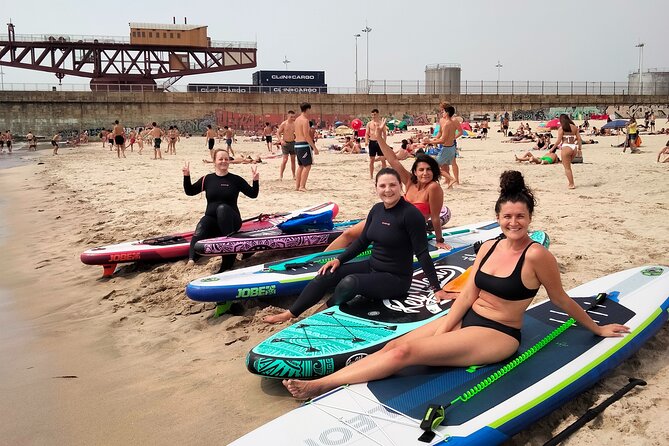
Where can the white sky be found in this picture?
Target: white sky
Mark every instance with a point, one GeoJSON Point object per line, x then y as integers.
{"type": "Point", "coordinates": [591, 40]}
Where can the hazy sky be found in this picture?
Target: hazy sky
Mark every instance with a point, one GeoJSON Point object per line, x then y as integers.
{"type": "Point", "coordinates": [591, 40]}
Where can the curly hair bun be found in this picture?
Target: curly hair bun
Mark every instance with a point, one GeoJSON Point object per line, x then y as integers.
{"type": "Point", "coordinates": [512, 188]}
{"type": "Point", "coordinates": [511, 182]}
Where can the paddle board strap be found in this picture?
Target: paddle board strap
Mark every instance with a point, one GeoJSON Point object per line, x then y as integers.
{"type": "Point", "coordinates": [592, 413]}
{"type": "Point", "coordinates": [428, 434]}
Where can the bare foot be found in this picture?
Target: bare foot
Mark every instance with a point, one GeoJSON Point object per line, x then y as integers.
{"type": "Point", "coordinates": [190, 264]}
{"type": "Point", "coordinates": [278, 318]}
{"type": "Point", "coordinates": [303, 390]}
{"type": "Point", "coordinates": [571, 186]}
{"type": "Point", "coordinates": [450, 184]}
{"type": "Point", "coordinates": [302, 189]}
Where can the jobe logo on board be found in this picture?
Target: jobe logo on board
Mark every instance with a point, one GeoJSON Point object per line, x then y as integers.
{"type": "Point", "coordinates": [257, 291]}
{"type": "Point", "coordinates": [130, 257]}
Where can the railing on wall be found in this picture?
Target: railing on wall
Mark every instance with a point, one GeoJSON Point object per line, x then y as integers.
{"type": "Point", "coordinates": [562, 88]}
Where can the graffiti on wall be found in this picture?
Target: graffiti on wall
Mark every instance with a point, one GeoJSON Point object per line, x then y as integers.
{"type": "Point", "coordinates": [638, 111]}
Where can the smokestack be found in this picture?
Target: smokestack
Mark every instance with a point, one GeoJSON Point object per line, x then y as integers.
{"type": "Point", "coordinates": [185, 22]}
{"type": "Point", "coordinates": [174, 20]}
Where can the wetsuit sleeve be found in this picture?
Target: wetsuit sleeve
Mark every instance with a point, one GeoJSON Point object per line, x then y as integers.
{"type": "Point", "coordinates": [247, 189]}
{"type": "Point", "coordinates": [193, 189]}
{"type": "Point", "coordinates": [358, 245]}
{"type": "Point", "coordinates": [415, 225]}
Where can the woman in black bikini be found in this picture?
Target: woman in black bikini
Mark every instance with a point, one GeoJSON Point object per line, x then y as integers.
{"type": "Point", "coordinates": [483, 325]}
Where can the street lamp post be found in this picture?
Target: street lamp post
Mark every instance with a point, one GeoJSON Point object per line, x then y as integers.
{"type": "Point", "coordinates": [286, 62]}
{"type": "Point", "coordinates": [367, 30]}
{"type": "Point", "coordinates": [356, 61]}
{"type": "Point", "coordinates": [499, 69]}
{"type": "Point", "coordinates": [640, 46]}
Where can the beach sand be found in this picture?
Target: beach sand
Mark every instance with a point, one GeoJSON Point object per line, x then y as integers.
{"type": "Point", "coordinates": [131, 360]}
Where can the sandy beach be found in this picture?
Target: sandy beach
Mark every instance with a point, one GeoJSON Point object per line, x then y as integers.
{"type": "Point", "coordinates": [131, 360]}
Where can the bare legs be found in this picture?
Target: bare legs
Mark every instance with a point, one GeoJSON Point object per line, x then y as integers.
{"type": "Point", "coordinates": [460, 348]}
{"type": "Point", "coordinates": [567, 155]}
{"type": "Point", "coordinates": [372, 160]}
{"type": "Point", "coordinates": [284, 161]}
{"type": "Point", "coordinates": [301, 178]}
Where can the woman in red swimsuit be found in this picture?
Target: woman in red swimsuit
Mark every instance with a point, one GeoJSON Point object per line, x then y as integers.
{"type": "Point", "coordinates": [422, 190]}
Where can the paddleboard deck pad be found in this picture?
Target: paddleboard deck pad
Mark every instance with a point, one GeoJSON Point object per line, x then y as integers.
{"type": "Point", "coordinates": [175, 246]}
{"type": "Point", "coordinates": [376, 412]}
{"type": "Point", "coordinates": [340, 335]}
{"type": "Point", "coordinates": [290, 276]}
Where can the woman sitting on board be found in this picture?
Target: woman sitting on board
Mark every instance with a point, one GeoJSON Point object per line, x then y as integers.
{"type": "Point", "coordinates": [483, 325]}
{"type": "Point", "coordinates": [422, 190]}
{"type": "Point", "coordinates": [222, 188]}
{"type": "Point", "coordinates": [396, 230]}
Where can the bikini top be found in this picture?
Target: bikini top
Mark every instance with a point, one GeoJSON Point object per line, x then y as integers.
{"type": "Point", "coordinates": [507, 288]}
{"type": "Point", "coordinates": [423, 207]}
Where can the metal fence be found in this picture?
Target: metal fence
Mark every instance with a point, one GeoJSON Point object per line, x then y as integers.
{"type": "Point", "coordinates": [393, 87]}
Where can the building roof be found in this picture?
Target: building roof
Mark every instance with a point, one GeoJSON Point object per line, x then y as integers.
{"type": "Point", "coordinates": [166, 27]}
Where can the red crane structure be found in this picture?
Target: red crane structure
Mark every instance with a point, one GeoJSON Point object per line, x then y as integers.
{"type": "Point", "coordinates": [171, 52]}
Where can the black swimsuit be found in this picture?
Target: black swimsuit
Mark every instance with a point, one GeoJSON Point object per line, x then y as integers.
{"type": "Point", "coordinates": [507, 288]}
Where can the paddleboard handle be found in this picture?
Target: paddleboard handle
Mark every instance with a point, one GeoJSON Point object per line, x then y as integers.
{"type": "Point", "coordinates": [592, 413]}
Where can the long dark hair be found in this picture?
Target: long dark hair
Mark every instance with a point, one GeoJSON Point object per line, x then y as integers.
{"type": "Point", "coordinates": [566, 122]}
{"type": "Point", "coordinates": [434, 167]}
{"type": "Point", "coordinates": [513, 189]}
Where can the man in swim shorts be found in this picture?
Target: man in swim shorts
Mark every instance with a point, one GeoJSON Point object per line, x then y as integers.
{"type": "Point", "coordinates": [54, 143]}
{"type": "Point", "coordinates": [373, 147]}
{"type": "Point", "coordinates": [267, 135]}
{"type": "Point", "coordinates": [484, 129]}
{"type": "Point", "coordinates": [157, 133]}
{"type": "Point", "coordinates": [118, 133]}
{"type": "Point", "coordinates": [211, 135]}
{"type": "Point", "coordinates": [446, 139]}
{"type": "Point", "coordinates": [8, 140]}
{"type": "Point", "coordinates": [304, 142]}
{"type": "Point", "coordinates": [229, 136]}
{"type": "Point", "coordinates": [286, 134]}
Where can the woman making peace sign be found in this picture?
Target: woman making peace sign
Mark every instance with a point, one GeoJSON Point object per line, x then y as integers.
{"type": "Point", "coordinates": [222, 188]}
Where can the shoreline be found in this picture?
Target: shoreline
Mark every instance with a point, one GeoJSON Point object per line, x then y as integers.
{"type": "Point", "coordinates": [153, 367]}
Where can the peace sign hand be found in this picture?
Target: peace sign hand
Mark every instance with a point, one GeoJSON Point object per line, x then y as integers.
{"type": "Point", "coordinates": [186, 169]}
{"type": "Point", "coordinates": [254, 172]}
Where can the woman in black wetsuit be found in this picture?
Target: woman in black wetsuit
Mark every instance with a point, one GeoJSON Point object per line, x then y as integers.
{"type": "Point", "coordinates": [483, 325]}
{"type": "Point", "coordinates": [222, 188]}
{"type": "Point", "coordinates": [396, 230]}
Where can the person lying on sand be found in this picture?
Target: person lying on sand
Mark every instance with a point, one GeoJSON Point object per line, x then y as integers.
{"type": "Point", "coordinates": [549, 157]}
{"type": "Point", "coordinates": [664, 151]}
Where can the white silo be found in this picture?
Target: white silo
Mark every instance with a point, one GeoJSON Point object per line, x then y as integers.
{"type": "Point", "coordinates": [654, 81]}
{"type": "Point", "coordinates": [442, 78]}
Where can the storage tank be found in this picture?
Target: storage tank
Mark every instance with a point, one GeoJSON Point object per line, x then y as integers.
{"type": "Point", "coordinates": [654, 81]}
{"type": "Point", "coordinates": [442, 78]}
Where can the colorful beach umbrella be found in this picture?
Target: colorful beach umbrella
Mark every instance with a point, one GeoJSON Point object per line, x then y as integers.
{"type": "Point", "coordinates": [617, 124]}
{"type": "Point", "coordinates": [553, 124]}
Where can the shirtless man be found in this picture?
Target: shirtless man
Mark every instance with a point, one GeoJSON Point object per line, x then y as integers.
{"type": "Point", "coordinates": [220, 134]}
{"type": "Point", "coordinates": [348, 146]}
{"type": "Point", "coordinates": [304, 143]}
{"type": "Point", "coordinates": [54, 143]}
{"type": "Point", "coordinates": [32, 141]}
{"type": "Point", "coordinates": [286, 134]}
{"type": "Point", "coordinates": [229, 137]}
{"type": "Point", "coordinates": [484, 129]}
{"type": "Point", "coordinates": [8, 140]}
{"type": "Point", "coordinates": [157, 134]}
{"type": "Point", "coordinates": [103, 136]}
{"type": "Point", "coordinates": [446, 139]}
{"type": "Point", "coordinates": [267, 136]}
{"type": "Point", "coordinates": [119, 138]}
{"type": "Point", "coordinates": [132, 136]}
{"type": "Point", "coordinates": [373, 148]}
{"type": "Point", "coordinates": [211, 134]}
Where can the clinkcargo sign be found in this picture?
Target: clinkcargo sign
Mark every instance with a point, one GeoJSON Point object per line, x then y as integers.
{"type": "Point", "coordinates": [289, 78]}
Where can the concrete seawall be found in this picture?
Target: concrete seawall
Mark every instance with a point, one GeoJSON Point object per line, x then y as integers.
{"type": "Point", "coordinates": [48, 112]}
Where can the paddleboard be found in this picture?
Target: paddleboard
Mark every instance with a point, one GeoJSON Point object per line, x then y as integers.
{"type": "Point", "coordinates": [290, 276]}
{"type": "Point", "coordinates": [389, 411]}
{"type": "Point", "coordinates": [311, 229]}
{"type": "Point", "coordinates": [175, 246]}
{"type": "Point", "coordinates": [340, 335]}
